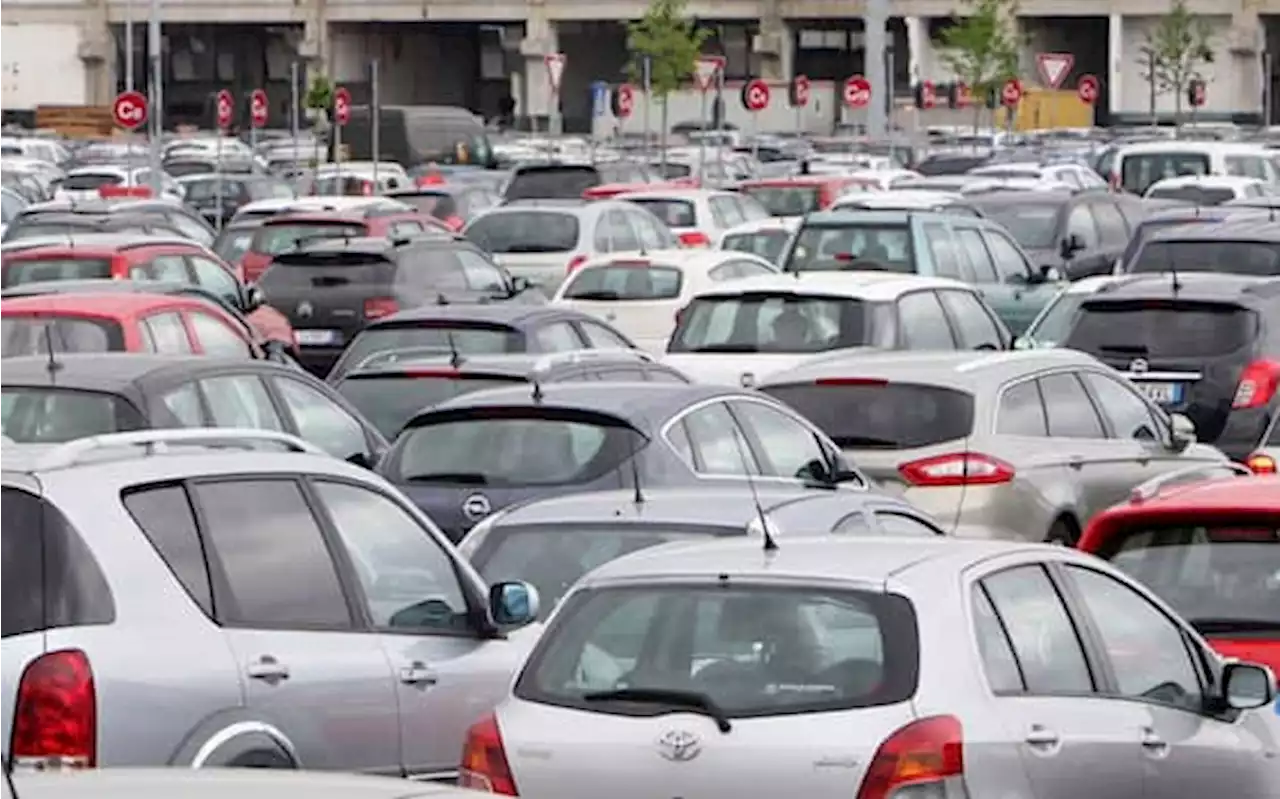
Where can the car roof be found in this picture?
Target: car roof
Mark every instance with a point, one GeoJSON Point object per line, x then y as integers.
{"type": "Point", "coordinates": [855, 216]}
{"type": "Point", "coordinates": [512, 364]}
{"type": "Point", "coordinates": [1019, 198]}
{"type": "Point", "coordinates": [1090, 285]}
{"type": "Point", "coordinates": [1186, 285]}
{"type": "Point", "coordinates": [1257, 494]}
{"type": "Point", "coordinates": [891, 200]}
{"type": "Point", "coordinates": [96, 304]}
{"type": "Point", "coordinates": [112, 372]}
{"type": "Point", "coordinates": [1228, 181]}
{"type": "Point", "coordinates": [672, 194]}
{"type": "Point", "coordinates": [1229, 229]}
{"type": "Point", "coordinates": [496, 313]}
{"type": "Point", "coordinates": [686, 259]}
{"type": "Point", "coordinates": [865, 285]}
{"type": "Point", "coordinates": [786, 224]}
{"type": "Point", "coordinates": [624, 400]}
{"type": "Point", "coordinates": [969, 371]}
{"type": "Point", "coordinates": [1187, 145]}
{"type": "Point", "coordinates": [93, 244]}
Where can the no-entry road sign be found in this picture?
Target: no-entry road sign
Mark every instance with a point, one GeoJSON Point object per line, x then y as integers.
{"type": "Point", "coordinates": [624, 101]}
{"type": "Point", "coordinates": [1011, 92]}
{"type": "Point", "coordinates": [799, 91]}
{"type": "Point", "coordinates": [1087, 88]}
{"type": "Point", "coordinates": [555, 70]}
{"type": "Point", "coordinates": [226, 109]}
{"type": "Point", "coordinates": [259, 108]}
{"type": "Point", "coordinates": [755, 95]}
{"type": "Point", "coordinates": [341, 105]}
{"type": "Point", "coordinates": [1054, 67]}
{"type": "Point", "coordinates": [130, 110]}
{"type": "Point", "coordinates": [857, 92]}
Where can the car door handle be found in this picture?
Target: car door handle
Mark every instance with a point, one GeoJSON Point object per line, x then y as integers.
{"type": "Point", "coordinates": [268, 669]}
{"type": "Point", "coordinates": [1042, 737]}
{"type": "Point", "coordinates": [1075, 462]}
{"type": "Point", "coordinates": [417, 673]}
{"type": "Point", "coordinates": [1153, 743]}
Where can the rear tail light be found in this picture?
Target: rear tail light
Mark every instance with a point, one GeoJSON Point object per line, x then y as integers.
{"type": "Point", "coordinates": [959, 469]}
{"type": "Point", "coordinates": [378, 307]}
{"type": "Point", "coordinates": [454, 223]}
{"type": "Point", "coordinates": [55, 719]}
{"type": "Point", "coordinates": [366, 188]}
{"type": "Point", "coordinates": [1257, 384]}
{"type": "Point", "coordinates": [694, 238]}
{"type": "Point", "coordinates": [575, 262]}
{"type": "Point", "coordinates": [121, 192]}
{"type": "Point", "coordinates": [484, 760]}
{"type": "Point", "coordinates": [1262, 463]}
{"type": "Point", "coordinates": [927, 755]}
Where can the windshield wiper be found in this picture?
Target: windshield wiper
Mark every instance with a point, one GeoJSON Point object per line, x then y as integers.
{"type": "Point", "coordinates": [464, 478]}
{"type": "Point", "coordinates": [726, 348]}
{"type": "Point", "coordinates": [1224, 625]}
{"type": "Point", "coordinates": [691, 700]}
{"type": "Point", "coordinates": [863, 441]}
{"type": "Point", "coordinates": [594, 295]}
{"type": "Point", "coordinates": [531, 248]}
{"type": "Point", "coordinates": [1135, 349]}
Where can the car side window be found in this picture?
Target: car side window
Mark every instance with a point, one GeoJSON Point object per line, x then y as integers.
{"type": "Point", "coordinates": [216, 338]}
{"type": "Point", "coordinates": [717, 444]}
{"type": "Point", "coordinates": [215, 279]}
{"type": "Point", "coordinates": [167, 332]}
{"type": "Point", "coordinates": [1148, 650]}
{"type": "Point", "coordinates": [1008, 259]}
{"type": "Point", "coordinates": [240, 401]}
{"type": "Point", "coordinates": [747, 269]}
{"type": "Point", "coordinates": [998, 660]}
{"type": "Point", "coordinates": [973, 324]}
{"type": "Point", "coordinates": [409, 581]}
{"type": "Point", "coordinates": [946, 261]}
{"type": "Point", "coordinates": [787, 448]}
{"type": "Point", "coordinates": [321, 421]}
{"type": "Point", "coordinates": [1044, 639]}
{"type": "Point", "coordinates": [653, 234]}
{"type": "Point", "coordinates": [557, 337]}
{"type": "Point", "coordinates": [1129, 416]}
{"type": "Point", "coordinates": [900, 524]}
{"type": "Point", "coordinates": [1080, 223]}
{"type": "Point", "coordinates": [183, 403]}
{"type": "Point", "coordinates": [404, 230]}
{"type": "Point", "coordinates": [165, 268]}
{"type": "Point", "coordinates": [971, 244]}
{"type": "Point", "coordinates": [1021, 411]}
{"type": "Point", "coordinates": [480, 274]}
{"type": "Point", "coordinates": [600, 337]}
{"type": "Point", "coordinates": [1070, 411]}
{"type": "Point", "coordinates": [727, 213]}
{"type": "Point", "coordinates": [278, 570]}
{"type": "Point", "coordinates": [922, 324]}
{"type": "Point", "coordinates": [164, 515]}
{"type": "Point", "coordinates": [1113, 231]}
{"type": "Point", "coordinates": [854, 524]}
{"type": "Point", "coordinates": [614, 233]}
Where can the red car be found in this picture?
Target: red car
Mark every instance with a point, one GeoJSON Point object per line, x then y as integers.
{"type": "Point", "coordinates": [800, 194]}
{"type": "Point", "coordinates": [607, 191]}
{"type": "Point", "coordinates": [121, 322]}
{"type": "Point", "coordinates": [1211, 549]}
{"type": "Point", "coordinates": [129, 257]}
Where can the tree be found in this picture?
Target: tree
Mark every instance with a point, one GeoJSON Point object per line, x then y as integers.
{"type": "Point", "coordinates": [1174, 51]}
{"type": "Point", "coordinates": [982, 48]}
{"type": "Point", "coordinates": [668, 39]}
{"type": "Point", "coordinates": [319, 94]}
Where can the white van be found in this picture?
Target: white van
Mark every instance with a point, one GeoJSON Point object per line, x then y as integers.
{"type": "Point", "coordinates": [1135, 167]}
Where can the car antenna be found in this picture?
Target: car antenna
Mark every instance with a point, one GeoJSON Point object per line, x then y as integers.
{"type": "Point", "coordinates": [455, 357]}
{"type": "Point", "coordinates": [537, 386]}
{"type": "Point", "coordinates": [770, 545]}
{"type": "Point", "coordinates": [52, 366]}
{"type": "Point", "coordinates": [638, 498]}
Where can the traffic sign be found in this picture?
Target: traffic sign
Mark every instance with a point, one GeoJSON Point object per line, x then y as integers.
{"type": "Point", "coordinates": [705, 71]}
{"type": "Point", "coordinates": [130, 110]}
{"type": "Point", "coordinates": [961, 95]}
{"type": "Point", "coordinates": [624, 101]}
{"type": "Point", "coordinates": [1011, 92]}
{"type": "Point", "coordinates": [555, 70]}
{"type": "Point", "coordinates": [341, 105]}
{"type": "Point", "coordinates": [1054, 67]}
{"type": "Point", "coordinates": [1087, 88]}
{"type": "Point", "coordinates": [857, 92]}
{"type": "Point", "coordinates": [226, 109]}
{"type": "Point", "coordinates": [799, 90]}
{"type": "Point", "coordinates": [926, 95]}
{"type": "Point", "coordinates": [755, 95]}
{"type": "Point", "coordinates": [259, 109]}
{"type": "Point", "coordinates": [1196, 93]}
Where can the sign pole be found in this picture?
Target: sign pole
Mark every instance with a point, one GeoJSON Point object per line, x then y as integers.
{"type": "Point", "coordinates": [253, 138]}
{"type": "Point", "coordinates": [128, 45]}
{"type": "Point", "coordinates": [337, 156]}
{"type": "Point", "coordinates": [375, 120]}
{"type": "Point", "coordinates": [702, 142]}
{"type": "Point", "coordinates": [719, 103]}
{"type": "Point", "coordinates": [648, 104]}
{"type": "Point", "coordinates": [156, 104]}
{"type": "Point", "coordinates": [294, 122]}
{"type": "Point", "coordinates": [217, 183]}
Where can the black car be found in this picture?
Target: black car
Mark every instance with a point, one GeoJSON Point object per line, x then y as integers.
{"type": "Point", "coordinates": [551, 181]}
{"type": "Point", "coordinates": [331, 288]}
{"type": "Point", "coordinates": [235, 190]}
{"type": "Point", "coordinates": [1203, 345]}
{"type": "Point", "coordinates": [455, 204]}
{"type": "Point", "coordinates": [1245, 242]}
{"type": "Point", "coordinates": [59, 216]}
{"type": "Point", "coordinates": [1079, 234]}
{"type": "Point", "coordinates": [390, 388]}
{"type": "Point", "coordinates": [1178, 216]}
{"type": "Point", "coordinates": [485, 450]}
{"type": "Point", "coordinates": [491, 329]}
{"type": "Point", "coordinates": [73, 396]}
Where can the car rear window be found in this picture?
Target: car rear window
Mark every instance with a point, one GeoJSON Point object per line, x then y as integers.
{"type": "Point", "coordinates": [497, 447]}
{"type": "Point", "coordinates": [1147, 228]}
{"type": "Point", "coordinates": [764, 243]}
{"type": "Point", "coordinates": [525, 232]}
{"type": "Point", "coordinates": [871, 414]}
{"type": "Point", "coordinates": [89, 181]}
{"type": "Point", "coordinates": [771, 322]}
{"type": "Point", "coordinates": [32, 335]}
{"type": "Point", "coordinates": [1200, 195]}
{"type": "Point", "coordinates": [1161, 328]}
{"type": "Point", "coordinates": [17, 271]}
{"type": "Point", "coordinates": [49, 415]}
{"type": "Point", "coordinates": [673, 213]}
{"type": "Point", "coordinates": [1033, 225]}
{"type": "Point", "coordinates": [786, 200]}
{"type": "Point", "coordinates": [621, 280]}
{"type": "Point", "coordinates": [1259, 258]}
{"type": "Point", "coordinates": [232, 245]}
{"type": "Point", "coordinates": [441, 206]}
{"type": "Point", "coordinates": [753, 650]}
{"type": "Point", "coordinates": [444, 338]}
{"type": "Point", "coordinates": [560, 182]}
{"type": "Point", "coordinates": [861, 246]}
{"type": "Point", "coordinates": [391, 400]}
{"type": "Point", "coordinates": [275, 239]}
{"type": "Point", "coordinates": [1139, 170]}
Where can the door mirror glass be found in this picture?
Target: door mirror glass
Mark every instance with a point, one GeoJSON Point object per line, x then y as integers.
{"type": "Point", "coordinates": [1246, 686]}
{"type": "Point", "coordinates": [253, 299]}
{"type": "Point", "coordinates": [1071, 245]}
{"type": "Point", "coordinates": [1184, 431]}
{"type": "Point", "coordinates": [1050, 273]}
{"type": "Point", "coordinates": [513, 604]}
{"type": "Point", "coordinates": [519, 285]}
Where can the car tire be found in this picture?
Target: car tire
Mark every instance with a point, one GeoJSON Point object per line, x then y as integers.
{"type": "Point", "coordinates": [262, 758]}
{"type": "Point", "coordinates": [1063, 533]}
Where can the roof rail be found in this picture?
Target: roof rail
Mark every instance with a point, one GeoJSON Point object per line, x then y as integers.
{"type": "Point", "coordinates": [1144, 491]}
{"type": "Point", "coordinates": [157, 442]}
{"type": "Point", "coordinates": [586, 356]}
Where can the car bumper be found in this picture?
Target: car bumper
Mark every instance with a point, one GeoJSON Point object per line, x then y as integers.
{"type": "Point", "coordinates": [991, 512]}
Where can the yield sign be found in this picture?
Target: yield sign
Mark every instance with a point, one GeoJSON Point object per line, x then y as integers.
{"type": "Point", "coordinates": [705, 70]}
{"type": "Point", "coordinates": [555, 69]}
{"type": "Point", "coordinates": [1054, 67]}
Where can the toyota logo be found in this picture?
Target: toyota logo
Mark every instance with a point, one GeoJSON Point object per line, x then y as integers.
{"type": "Point", "coordinates": [305, 309]}
{"type": "Point", "coordinates": [1138, 365]}
{"type": "Point", "coordinates": [679, 746]}
{"type": "Point", "coordinates": [476, 507]}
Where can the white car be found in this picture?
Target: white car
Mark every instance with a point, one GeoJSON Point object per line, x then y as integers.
{"type": "Point", "coordinates": [948, 201]}
{"type": "Point", "coordinates": [275, 205]}
{"type": "Point", "coordinates": [886, 179]}
{"type": "Point", "coordinates": [698, 217]}
{"type": "Point", "coordinates": [1074, 176]}
{"type": "Point", "coordinates": [641, 295]}
{"type": "Point", "coordinates": [39, 149]}
{"type": "Point", "coordinates": [330, 178]}
{"type": "Point", "coordinates": [1135, 167]}
{"type": "Point", "coordinates": [763, 237]}
{"type": "Point", "coordinates": [1054, 321]}
{"type": "Point", "coordinates": [1208, 189]}
{"type": "Point", "coordinates": [87, 182]}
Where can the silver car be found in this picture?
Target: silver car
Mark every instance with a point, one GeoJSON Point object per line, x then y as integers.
{"type": "Point", "coordinates": [168, 783]}
{"type": "Point", "coordinates": [835, 667]}
{"type": "Point", "coordinates": [173, 599]}
{"type": "Point", "coordinates": [1019, 445]}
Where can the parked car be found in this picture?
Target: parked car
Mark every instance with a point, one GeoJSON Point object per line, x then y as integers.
{"type": "Point", "coordinates": [698, 217]}
{"type": "Point", "coordinates": [797, 195]}
{"type": "Point", "coordinates": [222, 783]}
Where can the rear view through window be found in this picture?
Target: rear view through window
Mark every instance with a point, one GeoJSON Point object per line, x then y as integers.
{"type": "Point", "coordinates": [786, 200]}
{"type": "Point", "coordinates": [32, 335]}
{"type": "Point", "coordinates": [558, 182]}
{"type": "Point", "coordinates": [767, 244]}
{"type": "Point", "coordinates": [764, 322]}
{"type": "Point", "coordinates": [1155, 329]}
{"type": "Point", "coordinates": [53, 415]}
{"type": "Point", "coordinates": [1138, 171]}
{"type": "Point", "coordinates": [673, 213]}
{"type": "Point", "coordinates": [873, 414]}
{"type": "Point", "coordinates": [18, 271]}
{"type": "Point", "coordinates": [1200, 195]}
{"type": "Point", "coordinates": [625, 281]}
{"type": "Point", "coordinates": [831, 248]}
{"type": "Point", "coordinates": [390, 399]}
{"type": "Point", "coordinates": [508, 232]}
{"type": "Point", "coordinates": [1257, 258]}
{"type": "Point", "coordinates": [275, 239]}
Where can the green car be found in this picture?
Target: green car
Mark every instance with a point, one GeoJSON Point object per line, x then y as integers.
{"type": "Point", "coordinates": [940, 244]}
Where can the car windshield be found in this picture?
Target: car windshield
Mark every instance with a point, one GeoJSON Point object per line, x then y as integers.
{"type": "Point", "coordinates": [768, 322]}
{"type": "Point", "coordinates": [1158, 329]}
{"type": "Point", "coordinates": [625, 281]}
{"type": "Point", "coordinates": [1200, 195]}
{"type": "Point", "coordinates": [673, 213]}
{"type": "Point", "coordinates": [507, 232]}
{"type": "Point", "coordinates": [767, 244]}
{"type": "Point", "coordinates": [1258, 258]}
{"type": "Point", "coordinates": [48, 415]}
{"type": "Point", "coordinates": [465, 340]}
{"type": "Point", "coordinates": [733, 650]}
{"type": "Point", "coordinates": [786, 200]}
{"type": "Point", "coordinates": [1052, 326]}
{"type": "Point", "coordinates": [861, 246]}
{"type": "Point", "coordinates": [523, 450]}
{"type": "Point", "coordinates": [275, 239]}
{"type": "Point", "coordinates": [31, 335]}
{"type": "Point", "coordinates": [1139, 170]}
{"type": "Point", "coordinates": [17, 271]}
{"type": "Point", "coordinates": [1033, 226]}
{"type": "Point", "coordinates": [90, 181]}
{"type": "Point", "coordinates": [564, 182]}
{"type": "Point", "coordinates": [869, 414]}
{"type": "Point", "coordinates": [390, 400]}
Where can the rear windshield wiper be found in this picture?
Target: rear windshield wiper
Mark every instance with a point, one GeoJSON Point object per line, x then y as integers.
{"type": "Point", "coordinates": [530, 248]}
{"type": "Point", "coordinates": [464, 478]}
{"type": "Point", "coordinates": [864, 441]}
{"type": "Point", "coordinates": [1221, 625]}
{"type": "Point", "coordinates": [726, 348]}
{"type": "Point", "coordinates": [1134, 349]}
{"type": "Point", "coordinates": [594, 295]}
{"type": "Point", "coordinates": [692, 700]}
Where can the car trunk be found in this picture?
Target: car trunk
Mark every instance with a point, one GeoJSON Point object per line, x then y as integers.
{"type": "Point", "coordinates": [636, 296]}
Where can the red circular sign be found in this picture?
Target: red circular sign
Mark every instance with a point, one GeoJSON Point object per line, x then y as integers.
{"type": "Point", "coordinates": [928, 95]}
{"type": "Point", "coordinates": [1087, 89]}
{"type": "Point", "coordinates": [341, 105]}
{"type": "Point", "coordinates": [755, 95]}
{"type": "Point", "coordinates": [625, 102]}
{"type": "Point", "coordinates": [259, 109]}
{"type": "Point", "coordinates": [130, 110]}
{"type": "Point", "coordinates": [857, 92]}
{"type": "Point", "coordinates": [1011, 94]}
{"type": "Point", "coordinates": [800, 91]}
{"type": "Point", "coordinates": [226, 108]}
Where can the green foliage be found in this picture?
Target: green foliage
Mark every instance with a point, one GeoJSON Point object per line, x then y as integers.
{"type": "Point", "coordinates": [1176, 49]}
{"type": "Point", "coordinates": [667, 35]}
{"type": "Point", "coordinates": [319, 94]}
{"type": "Point", "coordinates": [982, 48]}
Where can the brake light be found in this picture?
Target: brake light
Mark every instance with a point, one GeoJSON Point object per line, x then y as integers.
{"type": "Point", "coordinates": [1262, 463]}
{"type": "Point", "coordinates": [1257, 384]}
{"type": "Point", "coordinates": [925, 753]}
{"type": "Point", "coordinates": [959, 469]}
{"type": "Point", "coordinates": [484, 760]}
{"type": "Point", "coordinates": [850, 381]}
{"type": "Point", "coordinates": [366, 188]}
{"type": "Point", "coordinates": [378, 307]}
{"type": "Point", "coordinates": [120, 192]}
{"type": "Point", "coordinates": [55, 720]}
{"type": "Point", "coordinates": [454, 223]}
{"type": "Point", "coordinates": [694, 238]}
{"type": "Point", "coordinates": [575, 262]}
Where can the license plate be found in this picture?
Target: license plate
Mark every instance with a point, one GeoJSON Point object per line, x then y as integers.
{"type": "Point", "coordinates": [1161, 393]}
{"type": "Point", "coordinates": [318, 338]}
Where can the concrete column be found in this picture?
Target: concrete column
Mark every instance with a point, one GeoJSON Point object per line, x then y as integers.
{"type": "Point", "coordinates": [1115, 65]}
{"type": "Point", "coordinates": [917, 43]}
{"type": "Point", "coordinates": [540, 40]}
{"type": "Point", "coordinates": [1245, 41]}
{"type": "Point", "coordinates": [314, 48]}
{"type": "Point", "coordinates": [773, 43]}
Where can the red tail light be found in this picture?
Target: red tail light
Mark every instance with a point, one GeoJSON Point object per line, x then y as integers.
{"type": "Point", "coordinates": [378, 307]}
{"type": "Point", "coordinates": [694, 238]}
{"type": "Point", "coordinates": [1261, 463]}
{"type": "Point", "coordinates": [925, 753]}
{"type": "Point", "coordinates": [1257, 384]}
{"type": "Point", "coordinates": [55, 720]}
{"type": "Point", "coordinates": [959, 469]}
{"type": "Point", "coordinates": [575, 262]}
{"type": "Point", "coordinates": [366, 188]}
{"type": "Point", "coordinates": [484, 760]}
{"type": "Point", "coordinates": [455, 223]}
{"type": "Point", "coordinates": [122, 192]}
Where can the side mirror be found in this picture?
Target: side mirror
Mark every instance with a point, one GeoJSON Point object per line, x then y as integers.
{"type": "Point", "coordinates": [519, 285]}
{"type": "Point", "coordinates": [1050, 273]}
{"type": "Point", "coordinates": [364, 460]}
{"type": "Point", "coordinates": [1023, 343]}
{"type": "Point", "coordinates": [1071, 245]}
{"type": "Point", "coordinates": [513, 604]}
{"type": "Point", "coordinates": [253, 299]}
{"type": "Point", "coordinates": [1246, 686]}
{"type": "Point", "coordinates": [1183, 430]}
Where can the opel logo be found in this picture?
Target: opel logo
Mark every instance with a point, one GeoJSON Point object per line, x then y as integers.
{"type": "Point", "coordinates": [679, 746]}
{"type": "Point", "coordinates": [1138, 365]}
{"type": "Point", "coordinates": [305, 309]}
{"type": "Point", "coordinates": [476, 507]}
